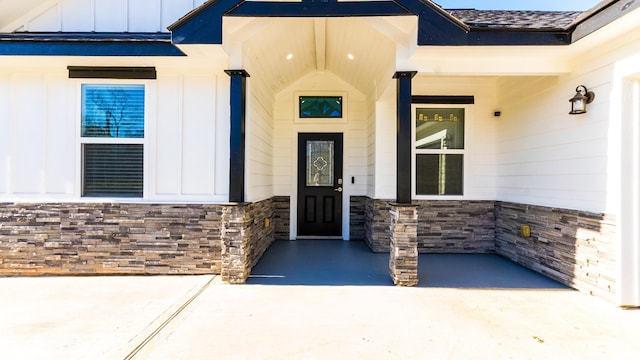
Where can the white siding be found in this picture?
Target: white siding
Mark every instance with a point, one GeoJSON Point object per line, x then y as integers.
{"type": "Point", "coordinates": [186, 142]}
{"type": "Point", "coordinates": [185, 158]}
{"type": "Point", "coordinates": [144, 16]}
{"type": "Point", "coordinates": [259, 133]}
{"type": "Point", "coordinates": [355, 134]}
{"type": "Point", "coordinates": [198, 135]}
{"type": "Point", "coordinates": [169, 136]}
{"type": "Point", "coordinates": [385, 146]}
{"type": "Point", "coordinates": [60, 152]}
{"type": "Point", "coordinates": [356, 137]}
{"type": "Point", "coordinates": [108, 16]}
{"type": "Point", "coordinates": [76, 15]}
{"type": "Point", "coordinates": [546, 156]}
{"type": "Point", "coordinates": [27, 155]}
{"type": "Point", "coordinates": [371, 149]}
{"type": "Point", "coordinates": [480, 148]}
{"type": "Point", "coordinates": [5, 134]}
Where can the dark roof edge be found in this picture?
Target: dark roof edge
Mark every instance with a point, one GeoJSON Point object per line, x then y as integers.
{"type": "Point", "coordinates": [600, 16]}
{"type": "Point", "coordinates": [88, 44]}
{"type": "Point", "coordinates": [191, 14]}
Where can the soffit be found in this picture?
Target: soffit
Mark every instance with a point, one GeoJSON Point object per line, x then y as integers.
{"type": "Point", "coordinates": [286, 49]}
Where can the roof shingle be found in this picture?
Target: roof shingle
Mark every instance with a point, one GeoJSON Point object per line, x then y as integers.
{"type": "Point", "coordinates": [515, 19]}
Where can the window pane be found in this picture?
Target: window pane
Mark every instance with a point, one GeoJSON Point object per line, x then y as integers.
{"type": "Point", "coordinates": [440, 128]}
{"type": "Point", "coordinates": [113, 170]}
{"type": "Point", "coordinates": [320, 163]}
{"type": "Point", "coordinates": [320, 106]}
{"type": "Point", "coordinates": [439, 174]}
{"type": "Point", "coordinates": [113, 111]}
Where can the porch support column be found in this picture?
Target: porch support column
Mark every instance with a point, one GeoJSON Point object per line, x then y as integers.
{"type": "Point", "coordinates": [403, 167]}
{"type": "Point", "coordinates": [403, 257]}
{"type": "Point", "coordinates": [238, 102]}
{"type": "Point", "coordinates": [236, 238]}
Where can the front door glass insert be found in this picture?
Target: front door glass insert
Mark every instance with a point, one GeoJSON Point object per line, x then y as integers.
{"type": "Point", "coordinates": [320, 167]}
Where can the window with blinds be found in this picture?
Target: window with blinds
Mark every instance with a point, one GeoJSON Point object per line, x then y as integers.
{"type": "Point", "coordinates": [112, 133]}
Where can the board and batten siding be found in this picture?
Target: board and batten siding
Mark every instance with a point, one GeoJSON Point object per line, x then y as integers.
{"type": "Point", "coordinates": [186, 149]}
{"type": "Point", "coordinates": [104, 16]}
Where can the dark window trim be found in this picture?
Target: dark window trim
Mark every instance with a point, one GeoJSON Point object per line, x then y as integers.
{"type": "Point", "coordinates": [112, 72]}
{"type": "Point", "coordinates": [443, 99]}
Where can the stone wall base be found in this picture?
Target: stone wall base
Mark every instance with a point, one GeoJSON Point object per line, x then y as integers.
{"type": "Point", "coordinates": [72, 239]}
{"type": "Point", "coordinates": [445, 226]}
{"type": "Point", "coordinates": [135, 239]}
{"type": "Point", "coordinates": [576, 248]}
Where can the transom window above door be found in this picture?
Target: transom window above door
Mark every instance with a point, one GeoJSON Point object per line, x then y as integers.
{"type": "Point", "coordinates": [320, 106]}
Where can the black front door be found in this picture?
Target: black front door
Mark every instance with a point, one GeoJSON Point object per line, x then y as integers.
{"type": "Point", "coordinates": [320, 184]}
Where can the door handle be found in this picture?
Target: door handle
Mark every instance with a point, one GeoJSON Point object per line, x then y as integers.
{"type": "Point", "coordinates": [339, 189]}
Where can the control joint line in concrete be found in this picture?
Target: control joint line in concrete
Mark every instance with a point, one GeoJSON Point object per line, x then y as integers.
{"type": "Point", "coordinates": [140, 346]}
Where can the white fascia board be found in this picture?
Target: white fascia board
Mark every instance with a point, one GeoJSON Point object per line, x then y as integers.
{"type": "Point", "coordinates": [491, 60]}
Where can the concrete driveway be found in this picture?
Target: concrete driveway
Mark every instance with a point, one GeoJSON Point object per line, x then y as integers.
{"type": "Point", "coordinates": [197, 317]}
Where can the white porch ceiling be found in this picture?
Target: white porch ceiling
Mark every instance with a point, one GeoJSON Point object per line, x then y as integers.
{"type": "Point", "coordinates": [289, 48]}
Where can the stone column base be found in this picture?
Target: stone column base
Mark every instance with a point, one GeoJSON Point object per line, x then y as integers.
{"type": "Point", "coordinates": [403, 259]}
{"type": "Point", "coordinates": [235, 239]}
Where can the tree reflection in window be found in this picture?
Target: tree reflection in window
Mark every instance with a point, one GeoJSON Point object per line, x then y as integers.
{"type": "Point", "coordinates": [113, 111]}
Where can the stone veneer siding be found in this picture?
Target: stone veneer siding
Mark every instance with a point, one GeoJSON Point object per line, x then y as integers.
{"type": "Point", "coordinates": [245, 237]}
{"type": "Point", "coordinates": [576, 248]}
{"type": "Point", "coordinates": [444, 226]}
{"type": "Point", "coordinates": [403, 254]}
{"type": "Point", "coordinates": [357, 217]}
{"type": "Point", "coordinates": [377, 224]}
{"type": "Point", "coordinates": [83, 238]}
{"type": "Point", "coordinates": [452, 226]}
{"type": "Point", "coordinates": [91, 238]}
{"type": "Point", "coordinates": [281, 217]}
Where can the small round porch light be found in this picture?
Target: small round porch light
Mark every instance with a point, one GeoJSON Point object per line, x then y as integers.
{"type": "Point", "coordinates": [580, 100]}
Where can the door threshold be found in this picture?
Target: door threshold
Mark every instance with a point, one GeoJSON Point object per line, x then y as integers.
{"type": "Point", "coordinates": [312, 237]}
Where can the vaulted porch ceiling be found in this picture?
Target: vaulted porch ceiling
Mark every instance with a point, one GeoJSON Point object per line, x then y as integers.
{"type": "Point", "coordinates": [361, 51]}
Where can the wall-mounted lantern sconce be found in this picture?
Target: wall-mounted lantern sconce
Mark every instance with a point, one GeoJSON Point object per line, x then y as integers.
{"type": "Point", "coordinates": [580, 100]}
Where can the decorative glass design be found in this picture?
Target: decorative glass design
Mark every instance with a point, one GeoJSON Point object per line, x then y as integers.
{"type": "Point", "coordinates": [320, 106]}
{"type": "Point", "coordinates": [320, 164]}
{"type": "Point", "coordinates": [440, 128]}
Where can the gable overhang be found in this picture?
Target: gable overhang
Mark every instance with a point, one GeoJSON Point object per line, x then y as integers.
{"type": "Point", "coordinates": [87, 44]}
{"type": "Point", "coordinates": [436, 27]}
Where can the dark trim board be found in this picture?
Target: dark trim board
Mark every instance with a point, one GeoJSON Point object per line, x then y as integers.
{"type": "Point", "coordinates": [318, 9]}
{"type": "Point", "coordinates": [112, 72]}
{"type": "Point", "coordinates": [435, 25]}
{"type": "Point", "coordinates": [443, 99]}
{"type": "Point", "coordinates": [85, 46]}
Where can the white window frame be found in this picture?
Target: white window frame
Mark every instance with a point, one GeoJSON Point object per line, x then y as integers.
{"type": "Point", "coordinates": [415, 152]}
{"type": "Point", "coordinates": [146, 142]}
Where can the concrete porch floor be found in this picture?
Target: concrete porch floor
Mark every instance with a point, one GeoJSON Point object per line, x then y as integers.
{"type": "Point", "coordinates": [336, 262]}
{"type": "Point", "coordinates": [466, 307]}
